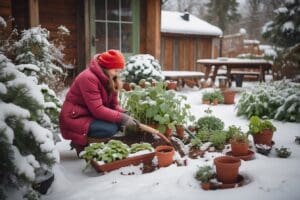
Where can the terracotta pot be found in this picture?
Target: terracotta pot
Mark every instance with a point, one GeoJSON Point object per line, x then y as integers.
{"type": "Point", "coordinates": [215, 102]}
{"type": "Point", "coordinates": [228, 97]}
{"type": "Point", "coordinates": [142, 85]}
{"type": "Point", "coordinates": [205, 186]}
{"type": "Point", "coordinates": [126, 86]}
{"type": "Point", "coordinates": [227, 168]}
{"type": "Point", "coordinates": [172, 85]}
{"type": "Point", "coordinates": [206, 101]}
{"type": "Point", "coordinates": [168, 133]}
{"type": "Point", "coordinates": [239, 148]}
{"type": "Point", "coordinates": [180, 131]}
{"type": "Point", "coordinates": [164, 155]}
{"type": "Point", "coordinates": [265, 137]}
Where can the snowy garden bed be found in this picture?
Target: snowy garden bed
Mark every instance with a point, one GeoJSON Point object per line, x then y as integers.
{"type": "Point", "coordinates": [266, 177]}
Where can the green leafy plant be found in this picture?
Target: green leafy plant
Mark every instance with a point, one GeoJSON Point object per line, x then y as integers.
{"type": "Point", "coordinates": [283, 152]}
{"type": "Point", "coordinates": [257, 125]}
{"type": "Point", "coordinates": [203, 135]}
{"type": "Point", "coordinates": [211, 96]}
{"type": "Point", "coordinates": [218, 139]}
{"type": "Point", "coordinates": [205, 174]}
{"type": "Point", "coordinates": [276, 100]}
{"type": "Point", "coordinates": [210, 123]}
{"type": "Point", "coordinates": [235, 134]}
{"type": "Point", "coordinates": [140, 147]}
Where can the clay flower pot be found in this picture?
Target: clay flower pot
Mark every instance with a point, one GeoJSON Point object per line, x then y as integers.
{"type": "Point", "coordinates": [227, 168]}
{"type": "Point", "coordinates": [168, 132]}
{"type": "Point", "coordinates": [228, 96]}
{"type": "Point", "coordinates": [264, 137]}
{"type": "Point", "coordinates": [180, 131]}
{"type": "Point", "coordinates": [172, 85]}
{"type": "Point", "coordinates": [239, 148]}
{"type": "Point", "coordinates": [126, 86]}
{"type": "Point", "coordinates": [215, 102]}
{"type": "Point", "coordinates": [204, 101]}
{"type": "Point", "coordinates": [164, 155]}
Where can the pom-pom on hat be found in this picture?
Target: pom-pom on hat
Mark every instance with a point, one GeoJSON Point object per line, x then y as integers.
{"type": "Point", "coordinates": [111, 59]}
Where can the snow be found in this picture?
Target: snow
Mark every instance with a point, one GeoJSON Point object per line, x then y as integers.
{"type": "Point", "coordinates": [3, 89]}
{"type": "Point", "coordinates": [2, 22]}
{"type": "Point", "coordinates": [233, 60]}
{"type": "Point", "coordinates": [281, 10]}
{"type": "Point", "coordinates": [268, 178]}
{"type": "Point", "coordinates": [268, 50]}
{"type": "Point", "coordinates": [251, 42]}
{"type": "Point", "coordinates": [288, 26]}
{"type": "Point", "coordinates": [243, 31]}
{"type": "Point", "coordinates": [181, 73]}
{"type": "Point", "coordinates": [31, 67]}
{"type": "Point", "coordinates": [172, 22]}
{"type": "Point", "coordinates": [22, 165]}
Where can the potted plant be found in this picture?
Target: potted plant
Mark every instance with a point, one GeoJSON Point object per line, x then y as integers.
{"type": "Point", "coordinates": [218, 139]}
{"type": "Point", "coordinates": [227, 168]}
{"type": "Point", "coordinates": [283, 152]}
{"type": "Point", "coordinates": [195, 148]}
{"type": "Point", "coordinates": [206, 98]}
{"type": "Point", "coordinates": [216, 97]}
{"type": "Point", "coordinates": [205, 174]}
{"type": "Point", "coordinates": [171, 85]}
{"type": "Point", "coordinates": [228, 96]}
{"type": "Point", "coordinates": [239, 142]}
{"type": "Point", "coordinates": [209, 122]}
{"type": "Point", "coordinates": [261, 130]}
{"type": "Point", "coordinates": [164, 155]}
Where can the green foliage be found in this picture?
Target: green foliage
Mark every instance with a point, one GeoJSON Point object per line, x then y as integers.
{"type": "Point", "coordinates": [209, 123]}
{"type": "Point", "coordinates": [205, 174]}
{"type": "Point", "coordinates": [257, 125]}
{"type": "Point", "coordinates": [140, 147]}
{"type": "Point", "coordinates": [283, 30]}
{"type": "Point", "coordinates": [236, 134]}
{"type": "Point", "coordinates": [112, 151]}
{"type": "Point", "coordinates": [142, 66]}
{"type": "Point", "coordinates": [218, 139]}
{"type": "Point", "coordinates": [283, 152]}
{"type": "Point", "coordinates": [196, 142]}
{"type": "Point", "coordinates": [155, 105]}
{"type": "Point", "coordinates": [203, 135]}
{"type": "Point", "coordinates": [277, 100]}
{"type": "Point", "coordinates": [222, 13]}
{"type": "Point", "coordinates": [211, 96]}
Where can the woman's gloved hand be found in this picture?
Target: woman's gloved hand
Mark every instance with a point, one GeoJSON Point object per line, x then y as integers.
{"type": "Point", "coordinates": [128, 121]}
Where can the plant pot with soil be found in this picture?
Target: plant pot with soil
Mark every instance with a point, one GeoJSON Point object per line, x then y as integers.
{"type": "Point", "coordinates": [164, 155]}
{"type": "Point", "coordinates": [239, 143]}
{"type": "Point", "coordinates": [261, 130]}
{"type": "Point", "coordinates": [171, 85]}
{"type": "Point", "coordinates": [227, 168]}
{"type": "Point", "coordinates": [228, 96]}
{"type": "Point", "coordinates": [205, 174]}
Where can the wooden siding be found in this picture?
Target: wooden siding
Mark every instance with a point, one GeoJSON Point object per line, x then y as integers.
{"type": "Point", "coordinates": [180, 52]}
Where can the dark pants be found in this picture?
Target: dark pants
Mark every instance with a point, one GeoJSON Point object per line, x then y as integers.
{"type": "Point", "coordinates": [102, 129]}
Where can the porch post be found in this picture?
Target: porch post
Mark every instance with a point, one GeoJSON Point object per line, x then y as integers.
{"type": "Point", "coordinates": [33, 13]}
{"type": "Point", "coordinates": [153, 20]}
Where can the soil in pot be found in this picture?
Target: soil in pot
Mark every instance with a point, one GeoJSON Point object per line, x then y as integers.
{"type": "Point", "coordinates": [239, 148]}
{"type": "Point", "coordinates": [164, 155]}
{"type": "Point", "coordinates": [228, 97]}
{"type": "Point", "coordinates": [265, 137]}
{"type": "Point", "coordinates": [227, 168]}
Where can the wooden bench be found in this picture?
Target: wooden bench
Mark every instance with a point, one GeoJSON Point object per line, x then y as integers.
{"type": "Point", "coordinates": [184, 77]}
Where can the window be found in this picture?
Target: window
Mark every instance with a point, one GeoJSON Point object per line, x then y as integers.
{"type": "Point", "coordinates": [115, 25]}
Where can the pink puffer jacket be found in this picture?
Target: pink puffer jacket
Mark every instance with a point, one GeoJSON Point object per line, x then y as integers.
{"type": "Point", "coordinates": [88, 100]}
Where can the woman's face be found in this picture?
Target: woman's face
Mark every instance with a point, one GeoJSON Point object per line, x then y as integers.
{"type": "Point", "coordinates": [114, 72]}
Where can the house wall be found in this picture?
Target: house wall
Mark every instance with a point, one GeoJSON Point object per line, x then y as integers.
{"type": "Point", "coordinates": [180, 52]}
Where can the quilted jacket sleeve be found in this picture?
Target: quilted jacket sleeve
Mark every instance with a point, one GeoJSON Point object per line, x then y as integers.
{"type": "Point", "coordinates": [92, 97]}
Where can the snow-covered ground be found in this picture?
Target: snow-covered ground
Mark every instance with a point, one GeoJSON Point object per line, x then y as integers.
{"type": "Point", "coordinates": [267, 177]}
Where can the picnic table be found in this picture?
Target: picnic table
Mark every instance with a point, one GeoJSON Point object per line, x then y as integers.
{"type": "Point", "coordinates": [236, 63]}
{"type": "Point", "coordinates": [181, 76]}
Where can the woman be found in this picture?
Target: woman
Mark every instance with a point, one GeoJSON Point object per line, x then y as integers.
{"type": "Point", "coordinates": [91, 107]}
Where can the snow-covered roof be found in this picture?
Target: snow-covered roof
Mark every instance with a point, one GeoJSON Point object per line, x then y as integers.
{"type": "Point", "coordinates": [172, 22]}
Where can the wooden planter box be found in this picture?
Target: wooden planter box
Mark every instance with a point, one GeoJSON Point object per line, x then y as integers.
{"type": "Point", "coordinates": [135, 160]}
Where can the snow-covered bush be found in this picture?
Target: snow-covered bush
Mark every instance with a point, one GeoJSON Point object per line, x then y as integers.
{"type": "Point", "coordinates": [35, 48]}
{"type": "Point", "coordinates": [26, 142]}
{"type": "Point", "coordinates": [142, 66]}
{"type": "Point", "coordinates": [278, 100]}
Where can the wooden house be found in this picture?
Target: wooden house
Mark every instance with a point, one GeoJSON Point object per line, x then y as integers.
{"type": "Point", "coordinates": [186, 38]}
{"type": "Point", "coordinates": [132, 26]}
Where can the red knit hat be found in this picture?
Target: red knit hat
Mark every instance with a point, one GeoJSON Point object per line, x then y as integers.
{"type": "Point", "coordinates": [111, 59]}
